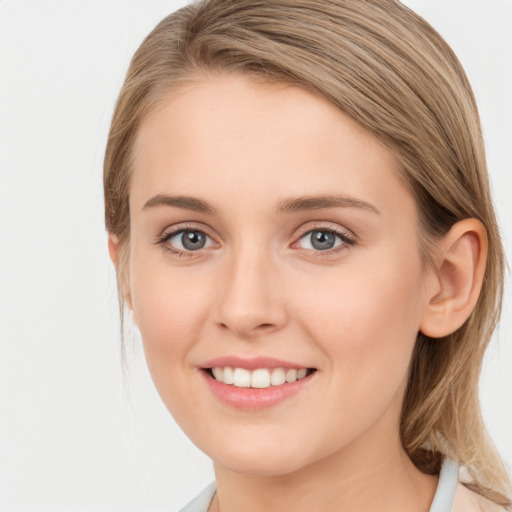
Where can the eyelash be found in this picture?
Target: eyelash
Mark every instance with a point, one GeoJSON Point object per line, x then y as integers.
{"type": "Point", "coordinates": [162, 240]}
{"type": "Point", "coordinates": [346, 240]}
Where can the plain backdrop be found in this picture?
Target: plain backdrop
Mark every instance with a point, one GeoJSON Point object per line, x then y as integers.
{"type": "Point", "coordinates": [75, 435]}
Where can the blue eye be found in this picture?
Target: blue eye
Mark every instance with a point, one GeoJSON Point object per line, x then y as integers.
{"type": "Point", "coordinates": [324, 239]}
{"type": "Point", "coordinates": [185, 240]}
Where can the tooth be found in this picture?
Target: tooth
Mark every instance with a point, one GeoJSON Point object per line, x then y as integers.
{"type": "Point", "coordinates": [218, 373]}
{"type": "Point", "coordinates": [242, 378]}
{"type": "Point", "coordinates": [260, 378]}
{"type": "Point", "coordinates": [301, 373]}
{"type": "Point", "coordinates": [291, 375]}
{"type": "Point", "coordinates": [278, 377]}
{"type": "Point", "coordinates": [227, 377]}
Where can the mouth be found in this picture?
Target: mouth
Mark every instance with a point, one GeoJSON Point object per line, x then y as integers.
{"type": "Point", "coordinates": [259, 378]}
{"type": "Point", "coordinates": [256, 383]}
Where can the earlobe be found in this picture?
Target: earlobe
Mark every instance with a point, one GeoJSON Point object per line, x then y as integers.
{"type": "Point", "coordinates": [457, 278]}
{"type": "Point", "coordinates": [113, 248]}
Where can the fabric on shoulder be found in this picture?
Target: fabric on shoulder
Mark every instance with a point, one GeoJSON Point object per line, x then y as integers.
{"type": "Point", "coordinates": [201, 502]}
{"type": "Point", "coordinates": [446, 487]}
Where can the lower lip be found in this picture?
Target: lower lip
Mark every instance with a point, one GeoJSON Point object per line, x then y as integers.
{"type": "Point", "coordinates": [252, 398]}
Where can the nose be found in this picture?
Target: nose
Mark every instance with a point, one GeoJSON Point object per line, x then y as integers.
{"type": "Point", "coordinates": [251, 299]}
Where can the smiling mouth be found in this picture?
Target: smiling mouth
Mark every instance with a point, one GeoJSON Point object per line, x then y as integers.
{"type": "Point", "coordinates": [260, 378]}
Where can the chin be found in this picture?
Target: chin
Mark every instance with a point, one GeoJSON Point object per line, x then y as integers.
{"type": "Point", "coordinates": [257, 459]}
{"type": "Point", "coordinates": [260, 465]}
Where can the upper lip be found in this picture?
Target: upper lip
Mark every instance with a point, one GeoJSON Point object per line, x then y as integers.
{"type": "Point", "coordinates": [251, 363]}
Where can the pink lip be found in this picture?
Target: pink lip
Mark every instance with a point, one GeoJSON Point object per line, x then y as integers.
{"type": "Point", "coordinates": [254, 399]}
{"type": "Point", "coordinates": [252, 363]}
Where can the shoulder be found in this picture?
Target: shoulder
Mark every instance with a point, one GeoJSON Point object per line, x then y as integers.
{"type": "Point", "coordinates": [470, 501]}
{"type": "Point", "coordinates": [201, 502]}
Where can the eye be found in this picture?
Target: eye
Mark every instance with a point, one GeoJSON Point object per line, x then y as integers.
{"type": "Point", "coordinates": [183, 241]}
{"type": "Point", "coordinates": [324, 239]}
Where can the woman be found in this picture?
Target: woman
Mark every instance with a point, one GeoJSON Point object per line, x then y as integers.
{"type": "Point", "coordinates": [299, 214]}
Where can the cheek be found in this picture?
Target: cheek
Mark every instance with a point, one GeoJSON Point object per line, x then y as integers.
{"type": "Point", "coordinates": [170, 308]}
{"type": "Point", "coordinates": [366, 319]}
{"type": "Point", "coordinates": [170, 311]}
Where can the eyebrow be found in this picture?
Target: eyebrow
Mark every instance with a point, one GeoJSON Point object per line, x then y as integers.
{"type": "Point", "coordinates": [183, 202]}
{"type": "Point", "coordinates": [306, 203]}
{"type": "Point", "coordinates": [291, 205]}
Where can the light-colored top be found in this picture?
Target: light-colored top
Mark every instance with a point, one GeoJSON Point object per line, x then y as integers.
{"type": "Point", "coordinates": [443, 498]}
{"type": "Point", "coordinates": [202, 502]}
{"type": "Point", "coordinates": [446, 487]}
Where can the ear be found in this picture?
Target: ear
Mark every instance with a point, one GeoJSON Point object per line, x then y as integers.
{"type": "Point", "coordinates": [456, 281]}
{"type": "Point", "coordinates": [114, 251]}
{"type": "Point", "coordinates": [113, 248]}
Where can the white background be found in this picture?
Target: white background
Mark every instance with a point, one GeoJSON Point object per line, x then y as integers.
{"type": "Point", "coordinates": [74, 434]}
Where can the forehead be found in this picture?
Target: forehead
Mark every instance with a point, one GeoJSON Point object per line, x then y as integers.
{"type": "Point", "coordinates": [262, 140]}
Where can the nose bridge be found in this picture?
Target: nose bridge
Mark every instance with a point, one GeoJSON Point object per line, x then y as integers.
{"type": "Point", "coordinates": [251, 300]}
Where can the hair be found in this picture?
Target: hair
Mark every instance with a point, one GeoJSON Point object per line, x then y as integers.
{"type": "Point", "coordinates": [391, 72]}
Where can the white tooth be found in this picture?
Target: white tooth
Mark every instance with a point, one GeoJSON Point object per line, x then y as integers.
{"type": "Point", "coordinates": [218, 373]}
{"type": "Point", "coordinates": [301, 373]}
{"type": "Point", "coordinates": [242, 378]}
{"type": "Point", "coordinates": [227, 377]}
{"type": "Point", "coordinates": [278, 377]}
{"type": "Point", "coordinates": [291, 375]}
{"type": "Point", "coordinates": [260, 378]}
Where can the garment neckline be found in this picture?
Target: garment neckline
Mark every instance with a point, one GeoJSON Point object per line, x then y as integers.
{"type": "Point", "coordinates": [446, 487]}
{"type": "Point", "coordinates": [442, 502]}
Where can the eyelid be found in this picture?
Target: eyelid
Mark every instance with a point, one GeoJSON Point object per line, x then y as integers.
{"type": "Point", "coordinates": [172, 231]}
{"type": "Point", "coordinates": [327, 226]}
{"type": "Point", "coordinates": [183, 226]}
{"type": "Point", "coordinates": [347, 237]}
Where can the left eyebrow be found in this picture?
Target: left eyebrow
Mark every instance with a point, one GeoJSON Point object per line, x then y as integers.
{"type": "Point", "coordinates": [306, 203]}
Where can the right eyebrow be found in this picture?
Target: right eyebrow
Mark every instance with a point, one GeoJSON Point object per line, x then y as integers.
{"type": "Point", "coordinates": [183, 202]}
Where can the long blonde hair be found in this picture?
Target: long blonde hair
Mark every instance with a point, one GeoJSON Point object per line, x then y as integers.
{"type": "Point", "coordinates": [389, 70]}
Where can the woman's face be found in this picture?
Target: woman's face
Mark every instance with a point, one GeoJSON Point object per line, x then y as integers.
{"type": "Point", "coordinates": [269, 232]}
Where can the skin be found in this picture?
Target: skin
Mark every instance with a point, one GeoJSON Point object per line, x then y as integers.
{"type": "Point", "coordinates": [259, 288]}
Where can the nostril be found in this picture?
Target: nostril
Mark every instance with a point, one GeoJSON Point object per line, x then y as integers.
{"type": "Point", "coordinates": [247, 327]}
